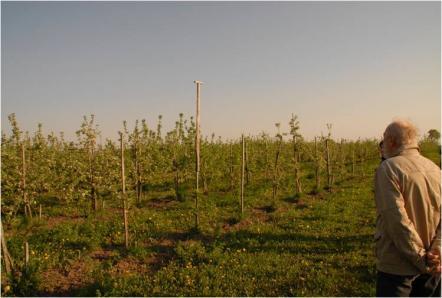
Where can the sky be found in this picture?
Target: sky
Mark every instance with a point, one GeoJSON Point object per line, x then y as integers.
{"type": "Point", "coordinates": [356, 65]}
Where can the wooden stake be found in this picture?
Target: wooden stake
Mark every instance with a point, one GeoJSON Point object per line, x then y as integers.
{"type": "Point", "coordinates": [246, 163]}
{"type": "Point", "coordinates": [92, 176]}
{"type": "Point", "coordinates": [353, 162]}
{"type": "Point", "coordinates": [126, 225]}
{"type": "Point", "coordinates": [329, 174]}
{"type": "Point", "coordinates": [197, 150]}
{"type": "Point", "coordinates": [296, 161]}
{"type": "Point", "coordinates": [27, 207]}
{"type": "Point", "coordinates": [231, 167]}
{"type": "Point", "coordinates": [276, 171]}
{"type": "Point", "coordinates": [26, 254]}
{"type": "Point", "coordinates": [39, 211]}
{"type": "Point", "coordinates": [317, 170]}
{"type": "Point", "coordinates": [242, 173]}
{"type": "Point", "coordinates": [123, 192]}
{"type": "Point", "coordinates": [138, 172]}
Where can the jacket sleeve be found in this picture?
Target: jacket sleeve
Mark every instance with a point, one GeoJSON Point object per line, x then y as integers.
{"type": "Point", "coordinates": [435, 244]}
{"type": "Point", "coordinates": [398, 227]}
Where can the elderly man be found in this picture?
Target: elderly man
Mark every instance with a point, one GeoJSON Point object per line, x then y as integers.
{"type": "Point", "coordinates": [408, 202]}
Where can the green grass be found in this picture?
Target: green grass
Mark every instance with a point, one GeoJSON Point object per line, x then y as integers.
{"type": "Point", "coordinates": [314, 245]}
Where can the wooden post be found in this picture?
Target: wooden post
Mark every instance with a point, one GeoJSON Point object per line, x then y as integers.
{"type": "Point", "coordinates": [242, 173]}
{"type": "Point", "coordinates": [317, 167]}
{"type": "Point", "coordinates": [138, 171]}
{"type": "Point", "coordinates": [126, 225]}
{"type": "Point", "coordinates": [123, 192]}
{"type": "Point", "coordinates": [26, 254]}
{"type": "Point", "coordinates": [362, 159]}
{"type": "Point", "coordinates": [296, 161]}
{"type": "Point", "coordinates": [197, 149]}
{"type": "Point", "coordinates": [27, 207]}
{"type": "Point", "coordinates": [329, 173]}
{"type": "Point", "coordinates": [23, 178]}
{"type": "Point", "coordinates": [92, 176]}
{"type": "Point", "coordinates": [6, 257]}
{"type": "Point", "coordinates": [39, 211]}
{"type": "Point", "coordinates": [266, 159]}
{"type": "Point", "coordinates": [246, 163]}
{"type": "Point", "coordinates": [231, 166]}
{"type": "Point", "coordinates": [276, 169]}
{"type": "Point", "coordinates": [353, 162]}
{"type": "Point", "coordinates": [342, 161]}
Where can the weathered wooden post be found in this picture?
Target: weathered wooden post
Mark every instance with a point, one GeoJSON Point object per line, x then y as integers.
{"type": "Point", "coordinates": [363, 153]}
{"type": "Point", "coordinates": [276, 168]}
{"type": "Point", "coordinates": [136, 149]}
{"type": "Point", "coordinates": [242, 172]}
{"type": "Point", "coordinates": [246, 163]}
{"type": "Point", "coordinates": [26, 254]}
{"type": "Point", "coordinates": [329, 173]}
{"type": "Point", "coordinates": [27, 206]}
{"type": "Point", "coordinates": [294, 126]}
{"type": "Point", "coordinates": [197, 149]}
{"type": "Point", "coordinates": [92, 175]}
{"type": "Point", "coordinates": [123, 192]}
{"type": "Point", "coordinates": [353, 161]}
{"type": "Point", "coordinates": [317, 169]}
{"type": "Point", "coordinates": [231, 167]}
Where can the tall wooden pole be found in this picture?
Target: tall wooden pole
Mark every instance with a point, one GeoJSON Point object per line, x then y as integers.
{"type": "Point", "coordinates": [123, 191]}
{"type": "Point", "coordinates": [23, 178]}
{"type": "Point", "coordinates": [27, 206]}
{"type": "Point", "coordinates": [242, 172]}
{"type": "Point", "coordinates": [197, 149]}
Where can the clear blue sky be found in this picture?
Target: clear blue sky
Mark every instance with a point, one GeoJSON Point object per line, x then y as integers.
{"type": "Point", "coordinates": [356, 65]}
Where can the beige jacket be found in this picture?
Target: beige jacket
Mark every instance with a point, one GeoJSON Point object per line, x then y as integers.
{"type": "Point", "coordinates": [408, 205]}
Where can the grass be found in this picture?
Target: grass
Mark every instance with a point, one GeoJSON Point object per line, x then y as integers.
{"type": "Point", "coordinates": [312, 245]}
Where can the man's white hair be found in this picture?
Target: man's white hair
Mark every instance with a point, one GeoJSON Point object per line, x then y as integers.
{"type": "Point", "coordinates": [401, 132]}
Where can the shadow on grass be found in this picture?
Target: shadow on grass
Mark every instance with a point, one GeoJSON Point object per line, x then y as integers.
{"type": "Point", "coordinates": [296, 243]}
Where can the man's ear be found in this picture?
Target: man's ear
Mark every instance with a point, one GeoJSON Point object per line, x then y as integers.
{"type": "Point", "coordinates": [393, 143]}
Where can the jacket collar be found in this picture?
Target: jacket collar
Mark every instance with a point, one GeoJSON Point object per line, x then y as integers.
{"type": "Point", "coordinates": [409, 149]}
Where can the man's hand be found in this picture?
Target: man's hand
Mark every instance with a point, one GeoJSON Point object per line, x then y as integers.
{"type": "Point", "coordinates": [433, 260]}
